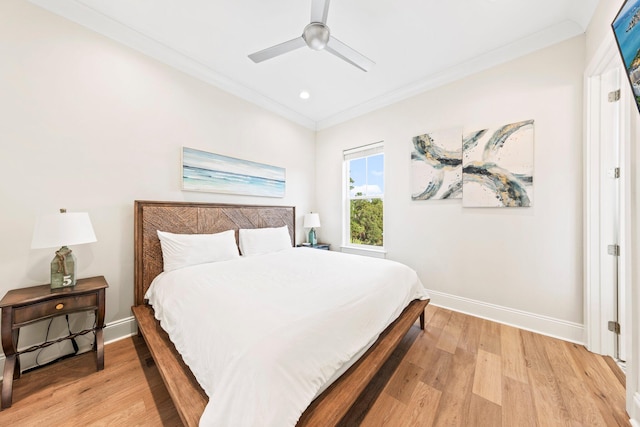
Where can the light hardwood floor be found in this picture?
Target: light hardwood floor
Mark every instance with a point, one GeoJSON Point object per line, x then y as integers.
{"type": "Point", "coordinates": [461, 371]}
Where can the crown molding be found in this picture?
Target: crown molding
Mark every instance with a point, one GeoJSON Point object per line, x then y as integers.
{"type": "Point", "coordinates": [94, 20]}
{"type": "Point", "coordinates": [545, 38]}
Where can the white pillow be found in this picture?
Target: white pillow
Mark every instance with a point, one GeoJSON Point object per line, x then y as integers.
{"type": "Point", "coordinates": [255, 241]}
{"type": "Point", "coordinates": [183, 250]}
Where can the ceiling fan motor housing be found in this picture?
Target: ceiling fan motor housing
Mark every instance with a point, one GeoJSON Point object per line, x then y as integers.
{"type": "Point", "coordinates": [316, 35]}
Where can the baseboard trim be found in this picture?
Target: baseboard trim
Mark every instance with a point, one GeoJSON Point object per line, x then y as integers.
{"type": "Point", "coordinates": [120, 329]}
{"type": "Point", "coordinates": [636, 410]}
{"type": "Point", "coordinates": [113, 331]}
{"type": "Point", "coordinates": [545, 325]}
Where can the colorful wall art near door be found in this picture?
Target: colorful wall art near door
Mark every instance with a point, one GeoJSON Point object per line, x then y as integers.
{"type": "Point", "coordinates": [203, 171]}
{"type": "Point", "coordinates": [436, 165]}
{"type": "Point", "coordinates": [627, 34]}
{"type": "Point", "coordinates": [497, 166]}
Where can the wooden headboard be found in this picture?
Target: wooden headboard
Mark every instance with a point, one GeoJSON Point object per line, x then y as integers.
{"type": "Point", "coordinates": [193, 218]}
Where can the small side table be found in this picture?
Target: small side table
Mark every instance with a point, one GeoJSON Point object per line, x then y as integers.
{"type": "Point", "coordinates": [24, 306]}
{"type": "Point", "coordinates": [324, 246]}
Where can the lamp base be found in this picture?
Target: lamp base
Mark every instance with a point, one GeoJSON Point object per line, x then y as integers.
{"type": "Point", "coordinates": [63, 269]}
{"type": "Point", "coordinates": [312, 237]}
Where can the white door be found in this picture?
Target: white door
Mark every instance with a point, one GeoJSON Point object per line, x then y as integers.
{"type": "Point", "coordinates": [606, 208]}
{"type": "Point", "coordinates": [610, 171]}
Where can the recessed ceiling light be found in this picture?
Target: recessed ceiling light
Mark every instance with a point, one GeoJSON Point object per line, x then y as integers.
{"type": "Point", "coordinates": [304, 94]}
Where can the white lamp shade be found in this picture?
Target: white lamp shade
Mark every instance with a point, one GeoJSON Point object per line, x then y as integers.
{"type": "Point", "coordinates": [62, 229]}
{"type": "Point", "coordinates": [311, 220]}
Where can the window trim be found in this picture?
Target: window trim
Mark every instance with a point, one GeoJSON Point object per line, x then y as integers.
{"type": "Point", "coordinates": [372, 251]}
{"type": "Point", "coordinates": [352, 154]}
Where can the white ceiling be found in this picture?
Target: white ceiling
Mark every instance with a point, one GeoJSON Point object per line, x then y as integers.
{"type": "Point", "coordinates": [416, 44]}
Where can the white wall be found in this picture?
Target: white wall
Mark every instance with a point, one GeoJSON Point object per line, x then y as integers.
{"type": "Point", "coordinates": [520, 265]}
{"type": "Point", "coordinates": [600, 25]}
{"type": "Point", "coordinates": [89, 125]}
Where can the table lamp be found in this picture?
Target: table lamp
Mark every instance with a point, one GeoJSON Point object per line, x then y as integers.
{"type": "Point", "coordinates": [312, 220]}
{"type": "Point", "coordinates": [63, 229]}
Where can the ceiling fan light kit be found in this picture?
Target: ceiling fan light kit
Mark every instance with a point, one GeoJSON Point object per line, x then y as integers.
{"type": "Point", "coordinates": [317, 36]}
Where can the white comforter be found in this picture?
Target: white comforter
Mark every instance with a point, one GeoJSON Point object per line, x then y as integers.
{"type": "Point", "coordinates": [263, 334]}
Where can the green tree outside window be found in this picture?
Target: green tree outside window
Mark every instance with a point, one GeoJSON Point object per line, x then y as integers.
{"type": "Point", "coordinates": [365, 200]}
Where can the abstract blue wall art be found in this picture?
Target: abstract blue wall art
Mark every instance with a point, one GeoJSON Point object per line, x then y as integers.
{"type": "Point", "coordinates": [203, 171]}
{"type": "Point", "coordinates": [436, 165]}
{"type": "Point", "coordinates": [497, 166]}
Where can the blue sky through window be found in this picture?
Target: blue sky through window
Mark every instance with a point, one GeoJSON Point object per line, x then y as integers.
{"type": "Point", "coordinates": [368, 175]}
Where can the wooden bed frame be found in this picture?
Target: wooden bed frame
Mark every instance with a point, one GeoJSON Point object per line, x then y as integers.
{"type": "Point", "coordinates": [184, 217]}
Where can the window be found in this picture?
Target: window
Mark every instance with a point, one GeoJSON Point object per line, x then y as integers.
{"type": "Point", "coordinates": [364, 189]}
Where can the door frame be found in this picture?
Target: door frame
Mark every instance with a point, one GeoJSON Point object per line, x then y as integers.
{"type": "Point", "coordinates": [597, 310]}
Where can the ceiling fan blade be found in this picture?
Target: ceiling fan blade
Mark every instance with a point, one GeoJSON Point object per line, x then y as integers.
{"type": "Point", "coordinates": [353, 57]}
{"type": "Point", "coordinates": [319, 10]}
{"type": "Point", "coordinates": [278, 49]}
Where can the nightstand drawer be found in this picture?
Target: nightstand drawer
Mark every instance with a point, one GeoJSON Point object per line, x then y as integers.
{"type": "Point", "coordinates": [54, 307]}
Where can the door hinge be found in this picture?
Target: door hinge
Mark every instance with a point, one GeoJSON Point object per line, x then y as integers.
{"type": "Point", "coordinates": [614, 327]}
{"type": "Point", "coordinates": [613, 173]}
{"type": "Point", "coordinates": [613, 250]}
{"type": "Point", "coordinates": [614, 96]}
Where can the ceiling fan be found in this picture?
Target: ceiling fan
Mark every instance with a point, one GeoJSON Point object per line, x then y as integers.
{"type": "Point", "coordinates": [317, 36]}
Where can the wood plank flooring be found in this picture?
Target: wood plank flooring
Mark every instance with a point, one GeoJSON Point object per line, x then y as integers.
{"type": "Point", "coordinates": [461, 371]}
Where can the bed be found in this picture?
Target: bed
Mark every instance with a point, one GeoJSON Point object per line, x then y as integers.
{"type": "Point", "coordinates": [190, 400]}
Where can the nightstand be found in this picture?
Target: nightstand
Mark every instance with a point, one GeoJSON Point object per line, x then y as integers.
{"type": "Point", "coordinates": [21, 307]}
{"type": "Point", "coordinates": [324, 246]}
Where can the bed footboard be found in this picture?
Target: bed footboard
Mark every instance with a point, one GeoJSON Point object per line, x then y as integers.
{"type": "Point", "coordinates": [332, 405]}
{"type": "Point", "coordinates": [186, 393]}
{"type": "Point", "coordinates": [326, 410]}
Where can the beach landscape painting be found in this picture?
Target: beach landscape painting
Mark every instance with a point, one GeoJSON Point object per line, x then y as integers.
{"type": "Point", "coordinates": [626, 29]}
{"type": "Point", "coordinates": [204, 171]}
{"type": "Point", "coordinates": [497, 166]}
{"type": "Point", "coordinates": [436, 165]}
